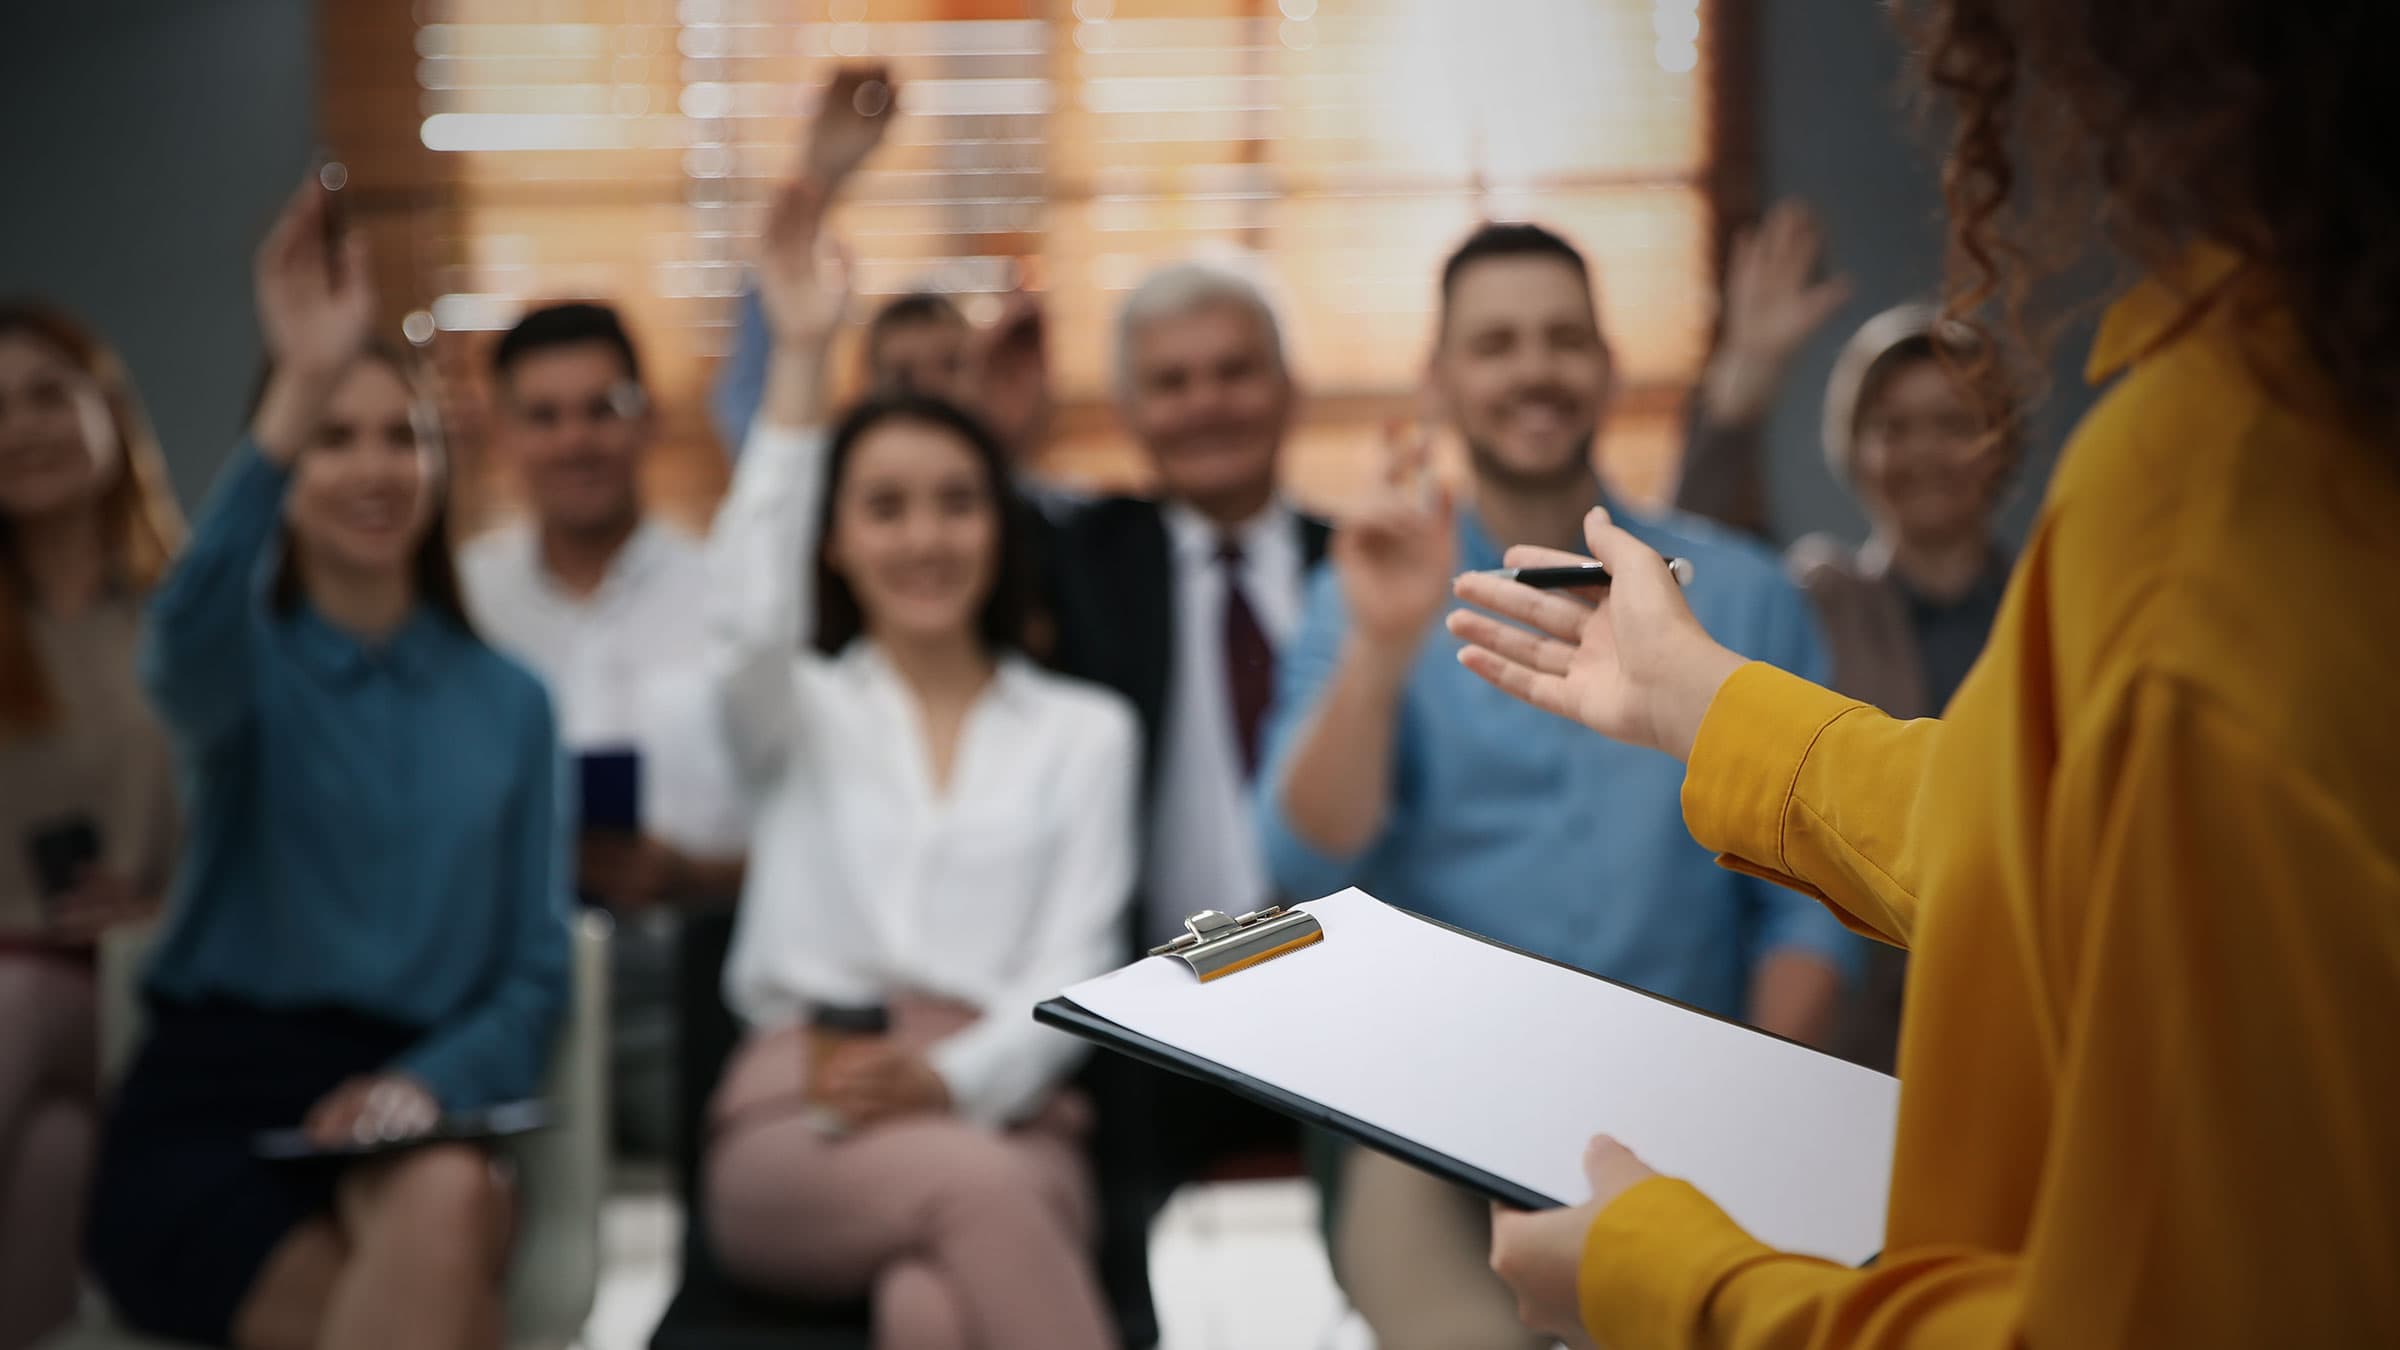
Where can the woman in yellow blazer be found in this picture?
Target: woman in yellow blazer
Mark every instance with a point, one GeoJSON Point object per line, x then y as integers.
{"type": "Point", "coordinates": [2149, 864]}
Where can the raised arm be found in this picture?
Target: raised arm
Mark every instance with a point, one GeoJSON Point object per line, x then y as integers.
{"type": "Point", "coordinates": [1803, 958]}
{"type": "Point", "coordinates": [762, 548]}
{"type": "Point", "coordinates": [852, 117]}
{"type": "Point", "coordinates": [314, 307]}
{"type": "Point", "coordinates": [1331, 782]}
{"type": "Point", "coordinates": [1773, 304]}
{"type": "Point", "coordinates": [2184, 1143]}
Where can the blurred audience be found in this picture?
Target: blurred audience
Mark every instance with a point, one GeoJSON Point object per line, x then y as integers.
{"type": "Point", "coordinates": [1180, 601]}
{"type": "Point", "coordinates": [921, 341]}
{"type": "Point", "coordinates": [947, 835]}
{"type": "Point", "coordinates": [368, 928]}
{"type": "Point", "coordinates": [606, 603]}
{"type": "Point", "coordinates": [87, 808]}
{"type": "Point", "coordinates": [1917, 443]}
{"type": "Point", "coordinates": [1907, 614]}
{"type": "Point", "coordinates": [917, 343]}
{"type": "Point", "coordinates": [1392, 767]}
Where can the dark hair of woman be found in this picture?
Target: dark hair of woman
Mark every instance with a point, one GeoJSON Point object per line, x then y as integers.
{"type": "Point", "coordinates": [2258, 126]}
{"type": "Point", "coordinates": [1001, 623]}
{"type": "Point", "coordinates": [435, 573]}
{"type": "Point", "coordinates": [137, 508]}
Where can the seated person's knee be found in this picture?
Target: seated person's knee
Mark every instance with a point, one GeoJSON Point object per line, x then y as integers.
{"type": "Point", "coordinates": [450, 1193]}
{"type": "Point", "coordinates": [978, 1168]}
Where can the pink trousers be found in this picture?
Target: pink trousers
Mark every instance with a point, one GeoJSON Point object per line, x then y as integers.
{"type": "Point", "coordinates": [49, 1069]}
{"type": "Point", "coordinates": [963, 1237]}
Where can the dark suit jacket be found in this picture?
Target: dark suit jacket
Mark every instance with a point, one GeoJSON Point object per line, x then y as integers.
{"type": "Point", "coordinates": [1108, 577]}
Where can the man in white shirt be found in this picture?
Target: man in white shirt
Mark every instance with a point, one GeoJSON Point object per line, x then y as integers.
{"type": "Point", "coordinates": [605, 604]}
{"type": "Point", "coordinates": [1180, 602]}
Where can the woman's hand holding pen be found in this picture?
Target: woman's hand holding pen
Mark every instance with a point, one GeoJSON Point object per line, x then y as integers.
{"type": "Point", "coordinates": [1631, 661]}
{"type": "Point", "coordinates": [316, 307]}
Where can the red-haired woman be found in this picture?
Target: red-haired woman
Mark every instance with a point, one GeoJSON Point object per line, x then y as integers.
{"type": "Point", "coordinates": [87, 807]}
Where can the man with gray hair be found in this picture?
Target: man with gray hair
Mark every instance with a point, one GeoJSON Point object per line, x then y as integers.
{"type": "Point", "coordinates": [1180, 602]}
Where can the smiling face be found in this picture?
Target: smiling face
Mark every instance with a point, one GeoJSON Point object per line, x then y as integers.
{"type": "Point", "coordinates": [1207, 396]}
{"type": "Point", "coordinates": [364, 491]}
{"type": "Point", "coordinates": [576, 423]}
{"type": "Point", "coordinates": [1923, 461]}
{"type": "Point", "coordinates": [915, 530]}
{"type": "Point", "coordinates": [58, 446]}
{"type": "Point", "coordinates": [1521, 369]}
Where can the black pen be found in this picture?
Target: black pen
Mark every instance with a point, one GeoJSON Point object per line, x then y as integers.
{"type": "Point", "coordinates": [1578, 578]}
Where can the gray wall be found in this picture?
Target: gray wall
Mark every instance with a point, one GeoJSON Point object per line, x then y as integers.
{"type": "Point", "coordinates": [148, 143]}
{"type": "Point", "coordinates": [1835, 129]}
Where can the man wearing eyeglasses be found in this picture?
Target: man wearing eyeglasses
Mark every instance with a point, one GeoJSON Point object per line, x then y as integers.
{"type": "Point", "coordinates": [604, 602]}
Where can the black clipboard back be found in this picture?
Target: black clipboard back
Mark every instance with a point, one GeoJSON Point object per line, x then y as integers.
{"type": "Point", "coordinates": [1073, 1018]}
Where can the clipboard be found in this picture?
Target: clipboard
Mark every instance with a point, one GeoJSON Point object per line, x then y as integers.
{"type": "Point", "coordinates": [489, 1125]}
{"type": "Point", "coordinates": [1066, 1016]}
{"type": "Point", "coordinates": [1215, 945]}
{"type": "Point", "coordinates": [1836, 1110]}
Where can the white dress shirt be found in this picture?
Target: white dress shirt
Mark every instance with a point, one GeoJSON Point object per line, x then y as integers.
{"type": "Point", "coordinates": [622, 665]}
{"type": "Point", "coordinates": [1204, 851]}
{"type": "Point", "coordinates": [865, 880]}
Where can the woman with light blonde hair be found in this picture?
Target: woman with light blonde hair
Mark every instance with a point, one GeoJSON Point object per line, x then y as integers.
{"type": "Point", "coordinates": [87, 809]}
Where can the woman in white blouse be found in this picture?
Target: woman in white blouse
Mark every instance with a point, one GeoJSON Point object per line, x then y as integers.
{"type": "Point", "coordinates": [944, 833]}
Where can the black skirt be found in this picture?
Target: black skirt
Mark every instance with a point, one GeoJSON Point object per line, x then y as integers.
{"type": "Point", "coordinates": [183, 1215]}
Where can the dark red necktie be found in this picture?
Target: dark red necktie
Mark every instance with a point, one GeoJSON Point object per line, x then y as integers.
{"type": "Point", "coordinates": [1249, 661]}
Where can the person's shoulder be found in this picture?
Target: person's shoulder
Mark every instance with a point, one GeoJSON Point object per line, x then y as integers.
{"type": "Point", "coordinates": [679, 555]}
{"type": "Point", "coordinates": [496, 557]}
{"type": "Point", "coordinates": [672, 538]}
{"type": "Point", "coordinates": [497, 680]}
{"type": "Point", "coordinates": [1104, 514]}
{"type": "Point", "coordinates": [1091, 711]}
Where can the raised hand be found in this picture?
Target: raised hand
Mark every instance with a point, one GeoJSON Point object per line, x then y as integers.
{"type": "Point", "coordinates": [315, 306]}
{"type": "Point", "coordinates": [803, 279]}
{"type": "Point", "coordinates": [1774, 301]}
{"type": "Point", "coordinates": [857, 109]}
{"type": "Point", "coordinates": [1395, 555]}
{"type": "Point", "coordinates": [1630, 662]}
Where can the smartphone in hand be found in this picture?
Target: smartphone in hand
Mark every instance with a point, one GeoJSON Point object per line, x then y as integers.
{"type": "Point", "coordinates": [610, 786]}
{"type": "Point", "coordinates": [58, 853]}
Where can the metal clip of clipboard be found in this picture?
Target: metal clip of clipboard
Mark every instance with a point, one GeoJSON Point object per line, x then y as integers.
{"type": "Point", "coordinates": [1215, 944]}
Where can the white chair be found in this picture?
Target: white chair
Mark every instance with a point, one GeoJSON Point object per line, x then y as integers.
{"type": "Point", "coordinates": [562, 1171]}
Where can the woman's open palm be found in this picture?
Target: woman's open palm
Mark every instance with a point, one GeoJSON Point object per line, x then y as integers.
{"type": "Point", "coordinates": [1628, 660]}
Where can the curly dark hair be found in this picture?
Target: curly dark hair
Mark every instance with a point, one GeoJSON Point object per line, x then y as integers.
{"type": "Point", "coordinates": [2258, 125]}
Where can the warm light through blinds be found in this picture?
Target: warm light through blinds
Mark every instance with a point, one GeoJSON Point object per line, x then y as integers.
{"type": "Point", "coordinates": [620, 148]}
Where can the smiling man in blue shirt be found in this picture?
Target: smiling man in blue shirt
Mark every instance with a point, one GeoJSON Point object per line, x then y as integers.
{"type": "Point", "coordinates": [1393, 768]}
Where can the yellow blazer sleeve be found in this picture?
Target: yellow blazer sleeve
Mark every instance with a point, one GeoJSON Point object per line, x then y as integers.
{"type": "Point", "coordinates": [2219, 1168]}
{"type": "Point", "coordinates": [1795, 783]}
